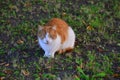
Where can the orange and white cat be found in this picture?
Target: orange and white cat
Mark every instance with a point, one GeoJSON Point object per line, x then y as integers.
{"type": "Point", "coordinates": [56, 36]}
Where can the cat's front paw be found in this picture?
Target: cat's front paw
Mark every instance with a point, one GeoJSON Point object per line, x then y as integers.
{"type": "Point", "coordinates": [48, 55]}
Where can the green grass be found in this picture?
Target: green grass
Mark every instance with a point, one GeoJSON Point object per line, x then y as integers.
{"type": "Point", "coordinates": [96, 55]}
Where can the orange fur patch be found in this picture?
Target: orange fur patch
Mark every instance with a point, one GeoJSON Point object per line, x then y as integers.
{"type": "Point", "coordinates": [61, 28]}
{"type": "Point", "coordinates": [52, 32]}
{"type": "Point", "coordinates": [65, 50]}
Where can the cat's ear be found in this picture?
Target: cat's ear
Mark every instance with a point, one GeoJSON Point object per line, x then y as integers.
{"type": "Point", "coordinates": [54, 27]}
{"type": "Point", "coordinates": [40, 27]}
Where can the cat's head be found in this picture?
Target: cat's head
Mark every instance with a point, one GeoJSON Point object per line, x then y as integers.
{"type": "Point", "coordinates": [47, 33]}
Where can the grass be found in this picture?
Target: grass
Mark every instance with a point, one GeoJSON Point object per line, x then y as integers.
{"type": "Point", "coordinates": [97, 51]}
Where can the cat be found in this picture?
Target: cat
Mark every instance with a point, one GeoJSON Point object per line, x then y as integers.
{"type": "Point", "coordinates": [56, 36]}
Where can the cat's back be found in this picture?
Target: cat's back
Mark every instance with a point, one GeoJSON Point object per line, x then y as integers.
{"type": "Point", "coordinates": [58, 23]}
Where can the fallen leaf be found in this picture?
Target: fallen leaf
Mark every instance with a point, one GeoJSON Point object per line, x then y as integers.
{"type": "Point", "coordinates": [8, 71]}
{"type": "Point", "coordinates": [63, 14]}
{"type": "Point", "coordinates": [25, 72]}
{"type": "Point", "coordinates": [116, 75]}
{"type": "Point", "coordinates": [2, 78]}
{"type": "Point", "coordinates": [2, 63]}
{"type": "Point", "coordinates": [101, 50]}
{"type": "Point", "coordinates": [20, 41]}
{"type": "Point", "coordinates": [27, 4]}
{"type": "Point", "coordinates": [7, 64]}
{"type": "Point", "coordinates": [90, 28]}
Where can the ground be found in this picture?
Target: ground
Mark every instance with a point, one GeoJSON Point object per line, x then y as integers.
{"type": "Point", "coordinates": [96, 55]}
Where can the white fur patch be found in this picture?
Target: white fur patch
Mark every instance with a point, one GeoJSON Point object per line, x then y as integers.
{"type": "Point", "coordinates": [70, 40]}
